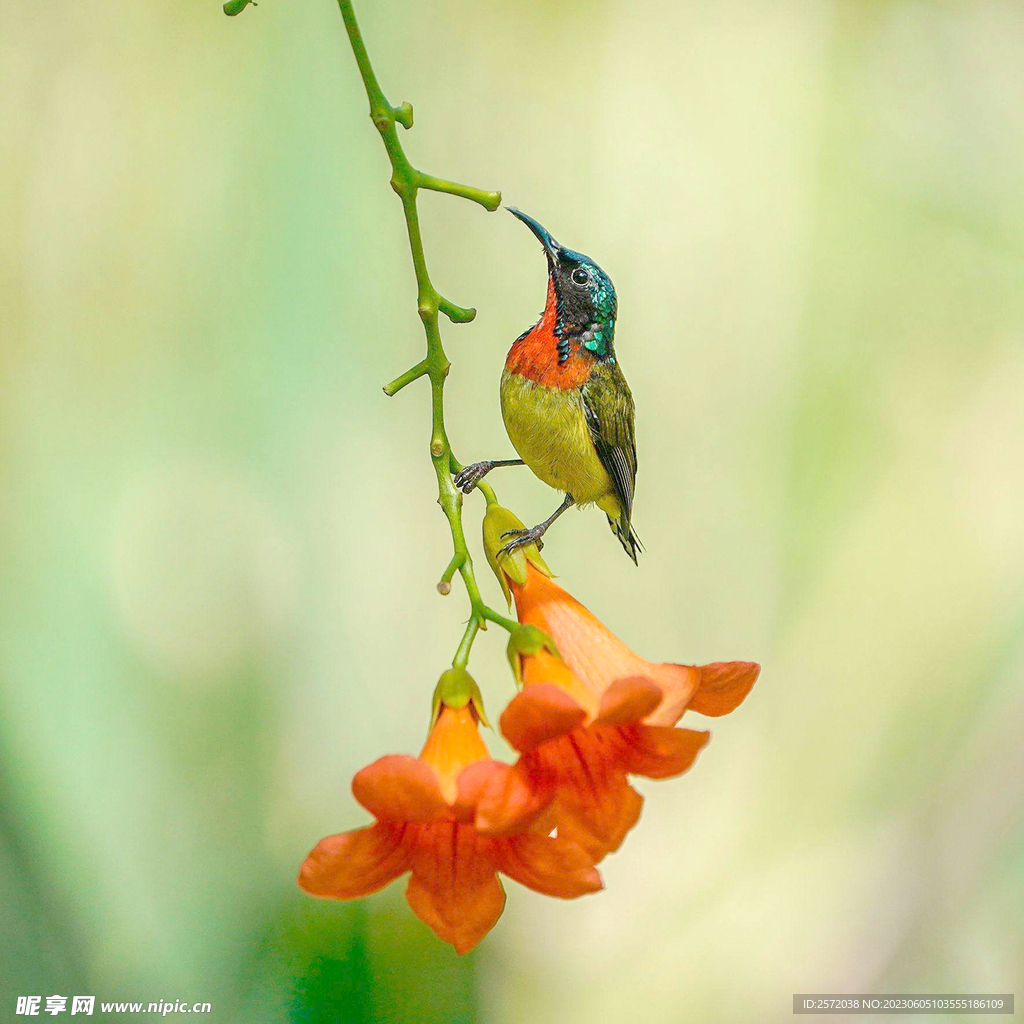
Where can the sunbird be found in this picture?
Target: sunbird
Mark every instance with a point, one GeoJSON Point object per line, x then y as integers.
{"type": "Point", "coordinates": [566, 405]}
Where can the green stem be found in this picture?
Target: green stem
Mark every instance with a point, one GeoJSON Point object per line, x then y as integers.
{"type": "Point", "coordinates": [492, 616]}
{"type": "Point", "coordinates": [413, 373]}
{"type": "Point", "coordinates": [406, 180]}
{"type": "Point", "coordinates": [475, 624]}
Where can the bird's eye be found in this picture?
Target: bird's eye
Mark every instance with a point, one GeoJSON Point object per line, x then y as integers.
{"type": "Point", "coordinates": [580, 276]}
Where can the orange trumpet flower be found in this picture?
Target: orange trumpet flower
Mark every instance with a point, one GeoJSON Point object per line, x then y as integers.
{"type": "Point", "coordinates": [587, 720]}
{"type": "Point", "coordinates": [425, 808]}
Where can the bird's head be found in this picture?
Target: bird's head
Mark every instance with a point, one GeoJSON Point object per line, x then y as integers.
{"type": "Point", "coordinates": [584, 296]}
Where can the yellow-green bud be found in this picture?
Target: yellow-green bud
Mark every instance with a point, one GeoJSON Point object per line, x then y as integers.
{"type": "Point", "coordinates": [455, 689]}
{"type": "Point", "coordinates": [497, 521]}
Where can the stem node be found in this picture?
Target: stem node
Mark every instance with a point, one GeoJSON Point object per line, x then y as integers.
{"type": "Point", "coordinates": [406, 190]}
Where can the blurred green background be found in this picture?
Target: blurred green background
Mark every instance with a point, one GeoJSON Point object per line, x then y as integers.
{"type": "Point", "coordinates": [219, 542]}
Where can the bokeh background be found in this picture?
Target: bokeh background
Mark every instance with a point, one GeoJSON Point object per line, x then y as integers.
{"type": "Point", "coordinates": [219, 543]}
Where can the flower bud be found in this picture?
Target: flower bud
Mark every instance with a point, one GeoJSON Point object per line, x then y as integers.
{"type": "Point", "coordinates": [497, 521]}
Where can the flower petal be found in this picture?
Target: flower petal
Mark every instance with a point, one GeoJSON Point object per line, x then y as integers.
{"type": "Point", "coordinates": [628, 700]}
{"type": "Point", "coordinates": [679, 683]}
{"type": "Point", "coordinates": [471, 784]}
{"type": "Point", "coordinates": [400, 788]}
{"type": "Point", "coordinates": [538, 713]}
{"type": "Point", "coordinates": [454, 888]}
{"type": "Point", "coordinates": [498, 798]}
{"type": "Point", "coordinates": [512, 799]}
{"type": "Point", "coordinates": [723, 685]}
{"type": "Point", "coordinates": [659, 752]}
{"type": "Point", "coordinates": [594, 804]}
{"type": "Point", "coordinates": [354, 864]}
{"type": "Point", "coordinates": [549, 865]}
{"type": "Point", "coordinates": [599, 822]}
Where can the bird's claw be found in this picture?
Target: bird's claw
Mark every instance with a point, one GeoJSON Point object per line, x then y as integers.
{"type": "Point", "coordinates": [520, 538]}
{"type": "Point", "coordinates": [469, 476]}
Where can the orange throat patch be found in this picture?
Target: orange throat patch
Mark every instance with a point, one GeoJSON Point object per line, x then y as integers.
{"type": "Point", "coordinates": [535, 355]}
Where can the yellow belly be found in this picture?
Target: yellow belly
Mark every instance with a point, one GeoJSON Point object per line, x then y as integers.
{"type": "Point", "coordinates": [548, 428]}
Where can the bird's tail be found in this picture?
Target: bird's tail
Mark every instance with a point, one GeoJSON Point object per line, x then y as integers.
{"type": "Point", "coordinates": [630, 542]}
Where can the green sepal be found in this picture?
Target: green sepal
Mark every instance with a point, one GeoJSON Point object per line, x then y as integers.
{"type": "Point", "coordinates": [455, 689]}
{"type": "Point", "coordinates": [498, 520]}
{"type": "Point", "coordinates": [235, 7]}
{"type": "Point", "coordinates": [524, 641]}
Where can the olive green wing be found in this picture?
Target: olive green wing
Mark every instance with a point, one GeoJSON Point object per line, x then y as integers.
{"type": "Point", "coordinates": [610, 412]}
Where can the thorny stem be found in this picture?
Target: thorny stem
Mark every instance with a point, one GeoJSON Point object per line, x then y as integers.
{"type": "Point", "coordinates": [407, 180]}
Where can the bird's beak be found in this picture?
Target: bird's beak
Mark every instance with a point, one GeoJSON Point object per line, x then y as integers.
{"type": "Point", "coordinates": [551, 247]}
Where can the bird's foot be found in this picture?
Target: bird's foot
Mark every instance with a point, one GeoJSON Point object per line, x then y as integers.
{"type": "Point", "coordinates": [520, 538]}
{"type": "Point", "coordinates": [469, 476]}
